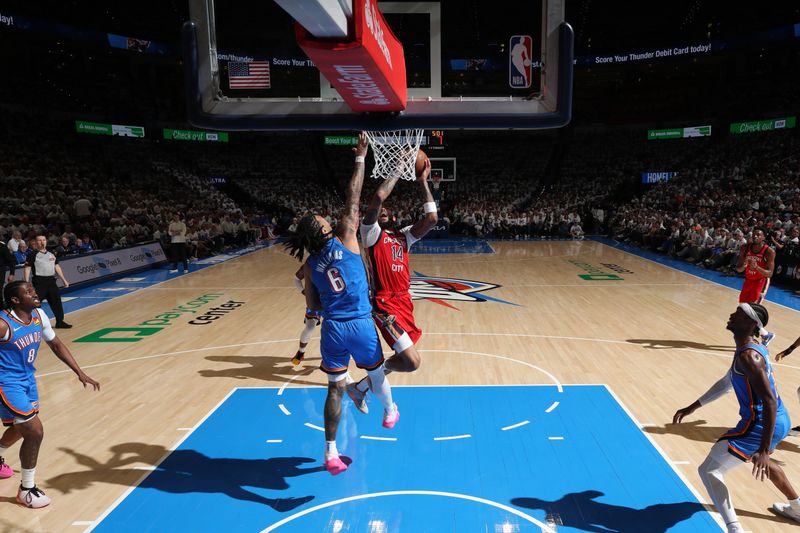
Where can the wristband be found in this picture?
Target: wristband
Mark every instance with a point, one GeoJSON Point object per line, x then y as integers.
{"type": "Point", "coordinates": [359, 159]}
{"type": "Point", "coordinates": [429, 207]}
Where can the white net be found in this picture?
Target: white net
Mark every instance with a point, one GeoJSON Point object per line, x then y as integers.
{"type": "Point", "coordinates": [395, 152]}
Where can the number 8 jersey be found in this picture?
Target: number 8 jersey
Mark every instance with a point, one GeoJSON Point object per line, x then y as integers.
{"type": "Point", "coordinates": [18, 351]}
{"type": "Point", "coordinates": [341, 281]}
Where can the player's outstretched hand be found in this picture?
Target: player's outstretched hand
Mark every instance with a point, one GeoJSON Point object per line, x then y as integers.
{"type": "Point", "coordinates": [362, 146]}
{"type": "Point", "coordinates": [680, 413]}
{"type": "Point", "coordinates": [86, 380]}
{"type": "Point", "coordinates": [781, 355]}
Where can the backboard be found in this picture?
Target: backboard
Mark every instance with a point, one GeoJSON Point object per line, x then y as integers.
{"type": "Point", "coordinates": [488, 64]}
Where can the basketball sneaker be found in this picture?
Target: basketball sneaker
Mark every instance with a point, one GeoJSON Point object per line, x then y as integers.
{"type": "Point", "coordinates": [5, 470]}
{"type": "Point", "coordinates": [787, 509]}
{"type": "Point", "coordinates": [767, 338]}
{"type": "Point", "coordinates": [33, 498]}
{"type": "Point", "coordinates": [298, 358]}
{"type": "Point", "coordinates": [359, 398]}
{"type": "Point", "coordinates": [334, 465]}
{"type": "Point", "coordinates": [391, 416]}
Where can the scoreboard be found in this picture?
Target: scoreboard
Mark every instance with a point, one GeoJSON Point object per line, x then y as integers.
{"type": "Point", "coordinates": [436, 140]}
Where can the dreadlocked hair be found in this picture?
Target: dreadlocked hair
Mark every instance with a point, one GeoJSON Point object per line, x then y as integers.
{"type": "Point", "coordinates": [11, 291]}
{"type": "Point", "coordinates": [307, 237]}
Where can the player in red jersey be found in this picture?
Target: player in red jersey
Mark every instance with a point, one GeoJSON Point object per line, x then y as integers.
{"type": "Point", "coordinates": [757, 261]}
{"type": "Point", "coordinates": [387, 256]}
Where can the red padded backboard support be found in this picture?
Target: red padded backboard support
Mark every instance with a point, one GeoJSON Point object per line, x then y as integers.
{"type": "Point", "coordinates": [368, 71]}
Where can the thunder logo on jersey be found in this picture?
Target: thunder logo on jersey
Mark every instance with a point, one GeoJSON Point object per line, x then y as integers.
{"type": "Point", "coordinates": [18, 353]}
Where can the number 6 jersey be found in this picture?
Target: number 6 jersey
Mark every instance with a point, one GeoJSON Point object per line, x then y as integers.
{"type": "Point", "coordinates": [341, 281]}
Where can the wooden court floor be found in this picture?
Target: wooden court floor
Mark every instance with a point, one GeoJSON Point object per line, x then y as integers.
{"type": "Point", "coordinates": [656, 337]}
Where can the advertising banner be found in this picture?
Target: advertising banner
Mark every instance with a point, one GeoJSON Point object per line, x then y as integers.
{"type": "Point", "coordinates": [679, 133]}
{"type": "Point", "coordinates": [82, 126]}
{"type": "Point", "coordinates": [192, 135]}
{"type": "Point", "coordinates": [340, 140]}
{"type": "Point", "coordinates": [127, 131]}
{"type": "Point", "coordinates": [655, 177]}
{"type": "Point", "coordinates": [89, 267]}
{"type": "Point", "coordinates": [764, 125]}
{"type": "Point", "coordinates": [697, 131]}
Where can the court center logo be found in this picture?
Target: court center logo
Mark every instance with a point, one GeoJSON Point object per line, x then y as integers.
{"type": "Point", "coordinates": [190, 309]}
{"type": "Point", "coordinates": [441, 290]}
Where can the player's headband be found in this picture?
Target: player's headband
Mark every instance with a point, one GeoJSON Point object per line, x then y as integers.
{"type": "Point", "coordinates": [750, 312]}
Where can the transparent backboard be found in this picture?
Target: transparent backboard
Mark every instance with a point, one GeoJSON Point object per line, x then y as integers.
{"type": "Point", "coordinates": [489, 64]}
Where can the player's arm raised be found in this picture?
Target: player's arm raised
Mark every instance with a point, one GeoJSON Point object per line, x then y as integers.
{"type": "Point", "coordinates": [422, 226]}
{"type": "Point", "coordinates": [348, 224]}
{"type": "Point", "coordinates": [381, 194]}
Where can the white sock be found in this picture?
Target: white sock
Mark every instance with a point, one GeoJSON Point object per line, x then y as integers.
{"type": "Point", "coordinates": [330, 449]}
{"type": "Point", "coordinates": [28, 475]}
{"type": "Point", "coordinates": [381, 388]}
{"type": "Point", "coordinates": [794, 503]}
{"type": "Point", "coordinates": [3, 450]}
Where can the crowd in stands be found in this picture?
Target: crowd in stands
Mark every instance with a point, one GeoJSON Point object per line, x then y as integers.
{"type": "Point", "coordinates": [104, 193]}
{"type": "Point", "coordinates": [707, 213]}
{"type": "Point", "coordinates": [95, 193]}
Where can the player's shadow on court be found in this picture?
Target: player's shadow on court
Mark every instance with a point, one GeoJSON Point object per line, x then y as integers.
{"type": "Point", "coordinates": [262, 367]}
{"type": "Point", "coordinates": [582, 511]}
{"type": "Point", "coordinates": [189, 471]}
{"type": "Point", "coordinates": [696, 430]}
{"type": "Point", "coordinates": [672, 344]}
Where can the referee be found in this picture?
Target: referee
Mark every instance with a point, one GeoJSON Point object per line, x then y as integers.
{"type": "Point", "coordinates": [45, 268]}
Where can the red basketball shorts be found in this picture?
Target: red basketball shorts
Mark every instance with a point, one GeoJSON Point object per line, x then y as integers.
{"type": "Point", "coordinates": [753, 291]}
{"type": "Point", "coordinates": [400, 306]}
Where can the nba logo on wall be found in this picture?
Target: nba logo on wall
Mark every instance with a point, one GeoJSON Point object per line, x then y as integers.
{"type": "Point", "coordinates": [520, 52]}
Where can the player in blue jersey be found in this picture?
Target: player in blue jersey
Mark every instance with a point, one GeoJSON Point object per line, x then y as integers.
{"type": "Point", "coordinates": [22, 327]}
{"type": "Point", "coordinates": [336, 283]}
{"type": "Point", "coordinates": [764, 420]}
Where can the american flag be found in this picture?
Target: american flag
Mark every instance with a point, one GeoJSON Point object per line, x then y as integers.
{"type": "Point", "coordinates": [252, 75]}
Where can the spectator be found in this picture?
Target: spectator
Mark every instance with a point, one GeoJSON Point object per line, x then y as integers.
{"type": "Point", "coordinates": [21, 253]}
{"type": "Point", "coordinates": [65, 248]}
{"type": "Point", "coordinates": [16, 238]}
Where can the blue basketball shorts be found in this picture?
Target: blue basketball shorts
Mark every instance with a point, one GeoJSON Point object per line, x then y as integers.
{"type": "Point", "coordinates": [19, 400]}
{"type": "Point", "coordinates": [355, 338]}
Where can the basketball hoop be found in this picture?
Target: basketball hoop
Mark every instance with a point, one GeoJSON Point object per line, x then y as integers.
{"type": "Point", "coordinates": [395, 153]}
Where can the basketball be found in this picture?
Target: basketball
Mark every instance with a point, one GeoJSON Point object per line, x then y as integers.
{"type": "Point", "coordinates": [419, 166]}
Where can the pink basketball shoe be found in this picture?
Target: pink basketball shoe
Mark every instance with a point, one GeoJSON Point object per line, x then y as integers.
{"type": "Point", "coordinates": [5, 470]}
{"type": "Point", "coordinates": [335, 465]}
{"type": "Point", "coordinates": [391, 417]}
